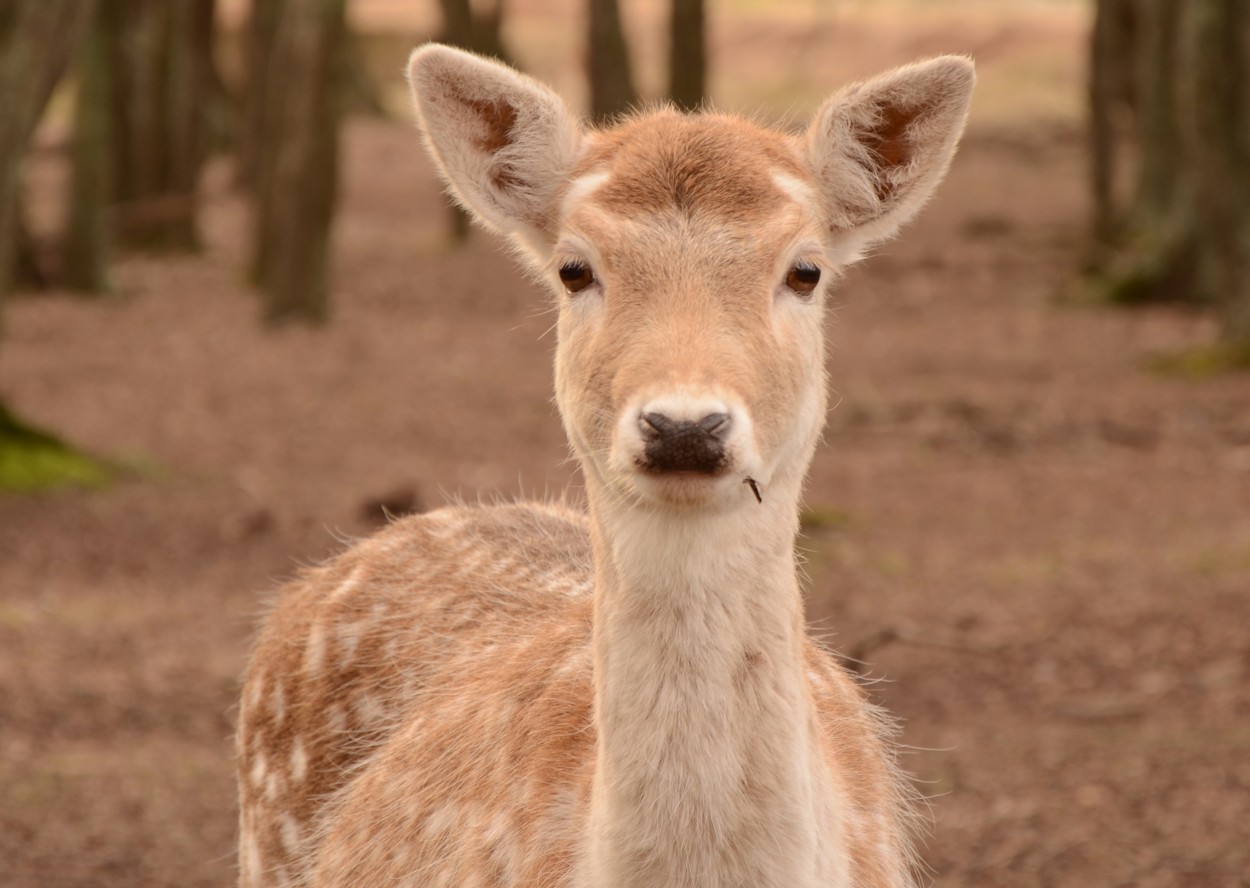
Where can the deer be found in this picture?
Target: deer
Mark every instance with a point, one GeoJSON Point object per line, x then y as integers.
{"type": "Point", "coordinates": [529, 694]}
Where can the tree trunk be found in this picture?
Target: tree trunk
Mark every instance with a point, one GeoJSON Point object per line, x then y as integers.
{"type": "Point", "coordinates": [297, 162]}
{"type": "Point", "coordinates": [1219, 46]}
{"type": "Point", "coordinates": [1161, 178]}
{"type": "Point", "coordinates": [361, 94]}
{"type": "Point", "coordinates": [1147, 252]}
{"type": "Point", "coordinates": [87, 242]}
{"type": "Point", "coordinates": [160, 57]}
{"type": "Point", "coordinates": [611, 80]}
{"type": "Point", "coordinates": [687, 55]}
{"type": "Point", "coordinates": [1158, 264]}
{"type": "Point", "coordinates": [488, 33]}
{"type": "Point", "coordinates": [1110, 61]}
{"type": "Point", "coordinates": [37, 37]}
{"type": "Point", "coordinates": [260, 40]}
{"type": "Point", "coordinates": [1186, 235]}
{"type": "Point", "coordinates": [189, 78]}
{"type": "Point", "coordinates": [29, 271]}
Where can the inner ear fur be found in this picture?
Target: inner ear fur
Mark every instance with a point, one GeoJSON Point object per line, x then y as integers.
{"type": "Point", "coordinates": [505, 144]}
{"type": "Point", "coordinates": [880, 148]}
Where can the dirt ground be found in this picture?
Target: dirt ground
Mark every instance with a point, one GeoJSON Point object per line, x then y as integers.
{"type": "Point", "coordinates": [1041, 546]}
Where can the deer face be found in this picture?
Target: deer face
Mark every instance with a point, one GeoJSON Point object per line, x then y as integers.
{"type": "Point", "coordinates": [690, 257]}
{"type": "Point", "coordinates": [691, 279]}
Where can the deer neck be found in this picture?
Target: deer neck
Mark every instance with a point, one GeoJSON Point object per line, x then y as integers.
{"type": "Point", "coordinates": [708, 771]}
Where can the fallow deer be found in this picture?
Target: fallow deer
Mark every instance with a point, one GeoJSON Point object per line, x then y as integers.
{"type": "Point", "coordinates": [527, 695]}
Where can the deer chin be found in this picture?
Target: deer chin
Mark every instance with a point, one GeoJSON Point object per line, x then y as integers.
{"type": "Point", "coordinates": [691, 490]}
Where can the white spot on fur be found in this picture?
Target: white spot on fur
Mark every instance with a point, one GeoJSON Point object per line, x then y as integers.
{"type": "Point", "coordinates": [336, 720]}
{"type": "Point", "coordinates": [278, 703]}
{"type": "Point", "coordinates": [257, 691]}
{"type": "Point", "coordinates": [289, 833]}
{"type": "Point", "coordinates": [273, 786]}
{"type": "Point", "coordinates": [252, 864]}
{"type": "Point", "coordinates": [299, 761]}
{"type": "Point", "coordinates": [347, 586]}
{"type": "Point", "coordinates": [368, 709]}
{"type": "Point", "coordinates": [442, 820]}
{"type": "Point", "coordinates": [259, 769]}
{"type": "Point", "coordinates": [349, 641]}
{"type": "Point", "coordinates": [580, 188]}
{"type": "Point", "coordinates": [315, 654]}
{"type": "Point", "coordinates": [797, 191]}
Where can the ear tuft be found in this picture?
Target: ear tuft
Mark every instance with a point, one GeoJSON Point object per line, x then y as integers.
{"type": "Point", "coordinates": [504, 143]}
{"type": "Point", "coordinates": [880, 148]}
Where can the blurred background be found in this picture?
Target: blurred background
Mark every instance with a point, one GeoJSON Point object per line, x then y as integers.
{"type": "Point", "coordinates": [241, 324]}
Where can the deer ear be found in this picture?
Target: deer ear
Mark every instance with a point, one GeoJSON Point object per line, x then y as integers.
{"type": "Point", "coordinates": [504, 143]}
{"type": "Point", "coordinates": [880, 148]}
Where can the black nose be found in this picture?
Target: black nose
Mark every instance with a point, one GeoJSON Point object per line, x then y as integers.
{"type": "Point", "coordinates": [680, 445]}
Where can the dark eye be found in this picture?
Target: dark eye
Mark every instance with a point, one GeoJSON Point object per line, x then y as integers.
{"type": "Point", "coordinates": [803, 278]}
{"type": "Point", "coordinates": [576, 276]}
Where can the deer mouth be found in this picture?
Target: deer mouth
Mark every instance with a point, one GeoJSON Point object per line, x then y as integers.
{"type": "Point", "coordinates": [679, 488]}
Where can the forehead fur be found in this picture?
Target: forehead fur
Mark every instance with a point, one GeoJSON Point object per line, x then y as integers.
{"type": "Point", "coordinates": [695, 164]}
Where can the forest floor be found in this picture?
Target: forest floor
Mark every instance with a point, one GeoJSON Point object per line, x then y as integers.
{"type": "Point", "coordinates": [1042, 545]}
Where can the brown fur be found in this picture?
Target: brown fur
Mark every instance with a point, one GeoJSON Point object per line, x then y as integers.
{"type": "Point", "coordinates": [508, 735]}
{"type": "Point", "coordinates": [711, 164]}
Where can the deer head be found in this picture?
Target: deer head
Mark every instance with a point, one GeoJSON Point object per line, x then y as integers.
{"type": "Point", "coordinates": [690, 257]}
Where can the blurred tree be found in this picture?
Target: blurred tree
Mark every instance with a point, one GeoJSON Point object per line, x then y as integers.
{"type": "Point", "coordinates": [87, 240]}
{"type": "Point", "coordinates": [259, 38]}
{"type": "Point", "coordinates": [1219, 96]}
{"type": "Point", "coordinates": [1181, 73]}
{"type": "Point", "coordinates": [1110, 89]}
{"type": "Point", "coordinates": [29, 267]}
{"type": "Point", "coordinates": [159, 60]}
{"type": "Point", "coordinates": [687, 58]}
{"type": "Point", "coordinates": [477, 30]}
{"type": "Point", "coordinates": [37, 39]}
{"type": "Point", "coordinates": [611, 80]}
{"type": "Point", "coordinates": [140, 132]}
{"type": "Point", "coordinates": [295, 52]}
{"type": "Point", "coordinates": [361, 94]}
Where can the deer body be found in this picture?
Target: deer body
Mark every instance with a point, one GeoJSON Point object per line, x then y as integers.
{"type": "Point", "coordinates": [523, 695]}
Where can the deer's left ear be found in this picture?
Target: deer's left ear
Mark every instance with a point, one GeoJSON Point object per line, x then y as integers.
{"type": "Point", "coordinates": [878, 149]}
{"type": "Point", "coordinates": [503, 142]}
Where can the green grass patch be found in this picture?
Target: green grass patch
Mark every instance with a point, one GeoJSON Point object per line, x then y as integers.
{"type": "Point", "coordinates": [1202, 363]}
{"type": "Point", "coordinates": [32, 460]}
{"type": "Point", "coordinates": [824, 518]}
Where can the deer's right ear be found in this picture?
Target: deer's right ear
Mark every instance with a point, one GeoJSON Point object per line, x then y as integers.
{"type": "Point", "coordinates": [880, 148]}
{"type": "Point", "coordinates": [504, 143]}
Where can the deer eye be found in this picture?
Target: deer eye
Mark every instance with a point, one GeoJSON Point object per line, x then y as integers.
{"type": "Point", "coordinates": [802, 278]}
{"type": "Point", "coordinates": [576, 276]}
